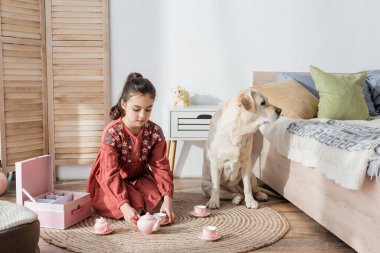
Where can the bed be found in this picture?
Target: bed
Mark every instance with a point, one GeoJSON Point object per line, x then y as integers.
{"type": "Point", "coordinates": [345, 205]}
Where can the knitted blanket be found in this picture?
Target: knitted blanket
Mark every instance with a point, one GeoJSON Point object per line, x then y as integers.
{"type": "Point", "coordinates": [13, 215]}
{"type": "Point", "coordinates": [342, 150]}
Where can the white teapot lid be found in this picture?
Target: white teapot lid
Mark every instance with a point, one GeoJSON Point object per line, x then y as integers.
{"type": "Point", "coordinates": [148, 216]}
{"type": "Point", "coordinates": [101, 220]}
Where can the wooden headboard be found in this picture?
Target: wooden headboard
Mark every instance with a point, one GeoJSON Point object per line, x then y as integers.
{"type": "Point", "coordinates": [263, 77]}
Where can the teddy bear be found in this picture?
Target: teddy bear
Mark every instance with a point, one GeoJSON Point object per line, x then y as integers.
{"type": "Point", "coordinates": [181, 96]}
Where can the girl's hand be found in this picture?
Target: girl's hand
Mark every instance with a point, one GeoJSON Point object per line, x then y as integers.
{"type": "Point", "coordinates": [167, 207]}
{"type": "Point", "coordinates": [129, 213]}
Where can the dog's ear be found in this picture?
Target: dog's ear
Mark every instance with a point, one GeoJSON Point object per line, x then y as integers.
{"type": "Point", "coordinates": [248, 101]}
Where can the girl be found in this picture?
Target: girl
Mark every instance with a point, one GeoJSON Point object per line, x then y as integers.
{"type": "Point", "coordinates": [131, 172]}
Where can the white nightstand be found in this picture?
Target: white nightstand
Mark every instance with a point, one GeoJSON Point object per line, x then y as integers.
{"type": "Point", "coordinates": [184, 124]}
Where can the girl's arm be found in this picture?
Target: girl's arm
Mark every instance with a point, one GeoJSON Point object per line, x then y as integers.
{"type": "Point", "coordinates": [159, 165]}
{"type": "Point", "coordinates": [167, 207]}
{"type": "Point", "coordinates": [109, 177]}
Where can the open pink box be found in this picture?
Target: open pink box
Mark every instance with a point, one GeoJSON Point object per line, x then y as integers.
{"type": "Point", "coordinates": [35, 190]}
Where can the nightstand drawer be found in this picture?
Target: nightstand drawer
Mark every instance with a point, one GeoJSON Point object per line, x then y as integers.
{"type": "Point", "coordinates": [190, 124]}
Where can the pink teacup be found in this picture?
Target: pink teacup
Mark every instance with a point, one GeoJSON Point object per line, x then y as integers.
{"type": "Point", "coordinates": [101, 225]}
{"type": "Point", "coordinates": [210, 232]}
{"type": "Point", "coordinates": [200, 210]}
{"type": "Point", "coordinates": [163, 217]}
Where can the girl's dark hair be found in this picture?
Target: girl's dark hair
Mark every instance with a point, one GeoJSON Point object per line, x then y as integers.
{"type": "Point", "coordinates": [135, 84]}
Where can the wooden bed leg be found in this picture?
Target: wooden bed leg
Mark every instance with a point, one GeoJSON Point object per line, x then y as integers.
{"type": "Point", "coordinates": [172, 154]}
{"type": "Point", "coordinates": [168, 142]}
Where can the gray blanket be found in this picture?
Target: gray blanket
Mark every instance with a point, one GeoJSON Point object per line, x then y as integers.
{"type": "Point", "coordinates": [345, 151]}
{"type": "Point", "coordinates": [348, 136]}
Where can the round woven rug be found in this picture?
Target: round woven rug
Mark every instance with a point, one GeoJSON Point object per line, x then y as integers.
{"type": "Point", "coordinates": [241, 229]}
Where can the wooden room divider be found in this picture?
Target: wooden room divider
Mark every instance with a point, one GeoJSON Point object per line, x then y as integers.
{"type": "Point", "coordinates": [22, 81]}
{"type": "Point", "coordinates": [77, 74]}
{"type": "Point", "coordinates": [54, 80]}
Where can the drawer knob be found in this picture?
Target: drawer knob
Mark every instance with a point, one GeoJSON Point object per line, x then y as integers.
{"type": "Point", "coordinates": [204, 116]}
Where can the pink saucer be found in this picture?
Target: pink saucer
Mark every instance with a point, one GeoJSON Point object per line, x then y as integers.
{"type": "Point", "coordinates": [200, 216]}
{"type": "Point", "coordinates": [202, 237]}
{"type": "Point", "coordinates": [109, 231]}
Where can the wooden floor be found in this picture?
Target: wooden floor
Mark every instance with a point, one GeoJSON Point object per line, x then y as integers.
{"type": "Point", "coordinates": [305, 235]}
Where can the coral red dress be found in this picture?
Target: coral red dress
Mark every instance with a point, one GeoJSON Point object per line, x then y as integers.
{"type": "Point", "coordinates": [130, 169]}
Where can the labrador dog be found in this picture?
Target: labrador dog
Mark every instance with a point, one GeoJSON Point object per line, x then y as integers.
{"type": "Point", "coordinates": [227, 167]}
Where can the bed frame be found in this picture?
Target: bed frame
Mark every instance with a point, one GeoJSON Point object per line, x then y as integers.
{"type": "Point", "coordinates": [353, 216]}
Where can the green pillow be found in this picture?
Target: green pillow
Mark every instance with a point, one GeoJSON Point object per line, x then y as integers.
{"type": "Point", "coordinates": [341, 95]}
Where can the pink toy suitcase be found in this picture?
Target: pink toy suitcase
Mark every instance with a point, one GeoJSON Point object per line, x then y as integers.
{"type": "Point", "coordinates": [34, 189]}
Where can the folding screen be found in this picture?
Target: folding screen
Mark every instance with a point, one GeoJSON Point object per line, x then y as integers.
{"type": "Point", "coordinates": [78, 75]}
{"type": "Point", "coordinates": [23, 115]}
{"type": "Point", "coordinates": [54, 79]}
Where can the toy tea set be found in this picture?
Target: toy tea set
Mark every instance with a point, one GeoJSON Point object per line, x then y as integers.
{"type": "Point", "coordinates": [149, 223]}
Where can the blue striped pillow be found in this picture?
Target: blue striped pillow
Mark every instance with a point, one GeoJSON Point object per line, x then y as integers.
{"type": "Point", "coordinates": [373, 83]}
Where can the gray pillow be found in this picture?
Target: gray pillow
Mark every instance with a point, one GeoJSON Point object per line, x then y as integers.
{"type": "Point", "coordinates": [367, 90]}
{"type": "Point", "coordinates": [373, 83]}
{"type": "Point", "coordinates": [303, 78]}
{"type": "Point", "coordinates": [373, 80]}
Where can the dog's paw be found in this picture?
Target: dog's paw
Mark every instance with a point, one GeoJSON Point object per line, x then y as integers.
{"type": "Point", "coordinates": [261, 196]}
{"type": "Point", "coordinates": [213, 203]}
{"type": "Point", "coordinates": [237, 199]}
{"type": "Point", "coordinates": [252, 204]}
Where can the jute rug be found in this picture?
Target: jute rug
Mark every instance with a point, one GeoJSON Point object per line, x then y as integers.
{"type": "Point", "coordinates": [242, 230]}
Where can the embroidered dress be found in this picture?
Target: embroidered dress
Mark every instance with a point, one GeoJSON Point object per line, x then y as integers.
{"type": "Point", "coordinates": [130, 169]}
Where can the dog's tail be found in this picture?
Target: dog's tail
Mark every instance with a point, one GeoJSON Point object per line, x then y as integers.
{"type": "Point", "coordinates": [270, 193]}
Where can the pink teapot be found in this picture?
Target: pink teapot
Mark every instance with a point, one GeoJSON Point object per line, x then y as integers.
{"type": "Point", "coordinates": [148, 223]}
